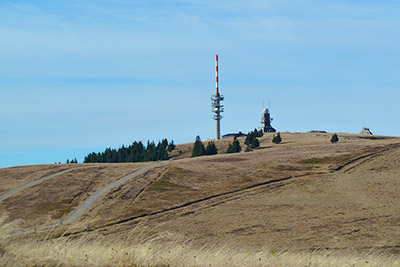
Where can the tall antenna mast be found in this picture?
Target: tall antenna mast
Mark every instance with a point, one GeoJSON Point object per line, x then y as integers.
{"type": "Point", "coordinates": [216, 74]}
{"type": "Point", "coordinates": [216, 99]}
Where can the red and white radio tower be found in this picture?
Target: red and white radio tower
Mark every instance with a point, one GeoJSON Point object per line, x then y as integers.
{"type": "Point", "coordinates": [216, 99]}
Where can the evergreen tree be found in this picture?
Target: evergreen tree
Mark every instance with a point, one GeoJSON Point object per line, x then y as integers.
{"type": "Point", "coordinates": [255, 143]}
{"type": "Point", "coordinates": [164, 143]}
{"type": "Point", "coordinates": [248, 148]}
{"type": "Point", "coordinates": [211, 149]}
{"type": "Point", "coordinates": [249, 138]}
{"type": "Point", "coordinates": [234, 147]}
{"type": "Point", "coordinates": [162, 153]}
{"type": "Point", "coordinates": [334, 138]}
{"type": "Point", "coordinates": [198, 148]}
{"type": "Point", "coordinates": [229, 149]}
{"type": "Point", "coordinates": [259, 133]}
{"type": "Point", "coordinates": [277, 139]}
{"type": "Point", "coordinates": [171, 146]}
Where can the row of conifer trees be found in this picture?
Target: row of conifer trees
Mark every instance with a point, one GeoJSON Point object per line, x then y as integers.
{"type": "Point", "coordinates": [200, 150]}
{"type": "Point", "coordinates": [136, 152]}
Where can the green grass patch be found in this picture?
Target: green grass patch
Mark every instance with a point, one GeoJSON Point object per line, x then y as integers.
{"type": "Point", "coordinates": [174, 178]}
{"type": "Point", "coordinates": [56, 209]}
{"type": "Point", "coordinates": [163, 185]}
{"type": "Point", "coordinates": [2, 250]}
{"type": "Point", "coordinates": [324, 160]}
{"type": "Point", "coordinates": [137, 212]}
{"type": "Point", "coordinates": [246, 180]}
{"type": "Point", "coordinates": [282, 167]}
{"type": "Point", "coordinates": [44, 207]}
{"type": "Point", "coordinates": [176, 172]}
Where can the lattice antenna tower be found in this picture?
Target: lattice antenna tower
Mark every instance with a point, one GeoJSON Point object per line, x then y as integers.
{"type": "Point", "coordinates": [217, 108]}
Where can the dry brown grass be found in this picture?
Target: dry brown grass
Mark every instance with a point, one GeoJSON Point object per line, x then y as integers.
{"type": "Point", "coordinates": [308, 209]}
{"type": "Point", "coordinates": [336, 205]}
{"type": "Point", "coordinates": [167, 249]}
{"type": "Point", "coordinates": [16, 176]}
{"type": "Point", "coordinates": [54, 199]}
{"type": "Point", "coordinates": [196, 178]}
{"type": "Point", "coordinates": [118, 203]}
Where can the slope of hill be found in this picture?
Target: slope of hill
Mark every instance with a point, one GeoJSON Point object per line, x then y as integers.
{"type": "Point", "coordinates": [52, 200]}
{"type": "Point", "coordinates": [303, 195]}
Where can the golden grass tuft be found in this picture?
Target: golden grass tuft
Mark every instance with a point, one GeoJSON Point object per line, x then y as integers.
{"type": "Point", "coordinates": [167, 249]}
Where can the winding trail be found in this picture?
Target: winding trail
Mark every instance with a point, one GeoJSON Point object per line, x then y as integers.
{"type": "Point", "coordinates": [88, 202]}
{"type": "Point", "coordinates": [45, 178]}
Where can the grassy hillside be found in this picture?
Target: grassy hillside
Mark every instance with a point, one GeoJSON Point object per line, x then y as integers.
{"type": "Point", "coordinates": [52, 200]}
{"type": "Point", "coordinates": [304, 198]}
{"type": "Point", "coordinates": [16, 176]}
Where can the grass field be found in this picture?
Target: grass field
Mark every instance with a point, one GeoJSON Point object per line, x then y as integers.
{"type": "Point", "coordinates": [52, 200]}
{"type": "Point", "coordinates": [13, 177]}
{"type": "Point", "coordinates": [305, 202]}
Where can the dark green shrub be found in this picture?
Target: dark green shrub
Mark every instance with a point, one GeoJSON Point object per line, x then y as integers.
{"type": "Point", "coordinates": [277, 139]}
{"type": "Point", "coordinates": [334, 138]}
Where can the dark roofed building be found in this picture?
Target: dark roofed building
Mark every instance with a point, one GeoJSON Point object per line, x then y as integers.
{"type": "Point", "coordinates": [232, 135]}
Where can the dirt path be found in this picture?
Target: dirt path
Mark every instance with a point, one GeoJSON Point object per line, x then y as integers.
{"type": "Point", "coordinates": [88, 202]}
{"type": "Point", "coordinates": [39, 181]}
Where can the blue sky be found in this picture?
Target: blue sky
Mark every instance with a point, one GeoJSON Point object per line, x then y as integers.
{"type": "Point", "coordinates": [80, 76]}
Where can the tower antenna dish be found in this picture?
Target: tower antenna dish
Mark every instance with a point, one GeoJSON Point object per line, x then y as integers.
{"type": "Point", "coordinates": [266, 120]}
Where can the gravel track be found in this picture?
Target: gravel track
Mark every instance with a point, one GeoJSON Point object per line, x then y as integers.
{"type": "Point", "coordinates": [88, 202]}
{"type": "Point", "coordinates": [39, 181]}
